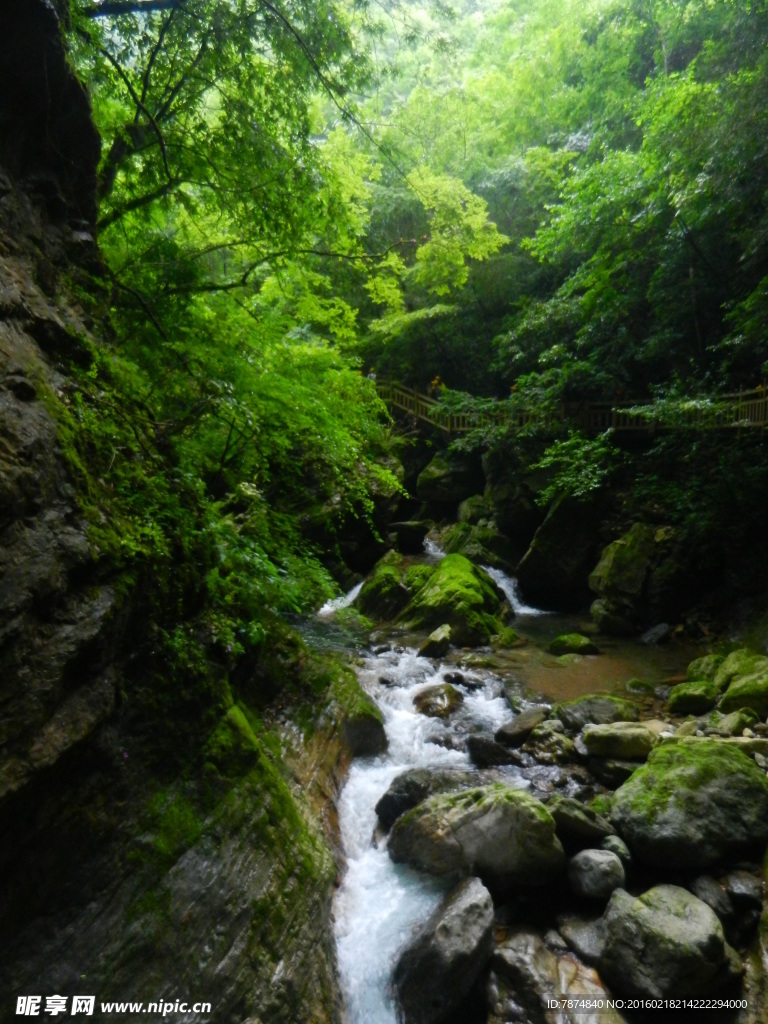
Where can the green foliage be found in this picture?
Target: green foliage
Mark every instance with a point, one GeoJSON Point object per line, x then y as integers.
{"type": "Point", "coordinates": [581, 466]}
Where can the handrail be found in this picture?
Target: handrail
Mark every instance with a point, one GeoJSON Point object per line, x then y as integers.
{"type": "Point", "coordinates": [742, 410]}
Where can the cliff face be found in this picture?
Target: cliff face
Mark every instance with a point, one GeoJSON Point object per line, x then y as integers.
{"type": "Point", "coordinates": [205, 875]}
{"type": "Point", "coordinates": [55, 683]}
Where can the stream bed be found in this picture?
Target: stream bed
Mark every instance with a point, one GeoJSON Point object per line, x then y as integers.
{"type": "Point", "coordinates": [379, 903]}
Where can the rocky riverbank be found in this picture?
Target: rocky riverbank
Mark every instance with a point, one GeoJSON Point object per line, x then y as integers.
{"type": "Point", "coordinates": [605, 848]}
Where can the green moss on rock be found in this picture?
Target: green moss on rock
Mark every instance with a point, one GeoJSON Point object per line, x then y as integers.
{"type": "Point", "coordinates": [750, 691]}
{"type": "Point", "coordinates": [704, 668]}
{"type": "Point", "coordinates": [597, 708]}
{"type": "Point", "coordinates": [693, 805]}
{"type": "Point", "coordinates": [460, 594]}
{"type": "Point", "coordinates": [572, 643]}
{"type": "Point", "coordinates": [739, 663]}
{"type": "Point", "coordinates": [693, 698]}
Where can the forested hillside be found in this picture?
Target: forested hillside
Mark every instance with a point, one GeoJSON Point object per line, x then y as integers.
{"type": "Point", "coordinates": [222, 224]}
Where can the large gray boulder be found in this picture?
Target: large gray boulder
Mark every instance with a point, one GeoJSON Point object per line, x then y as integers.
{"type": "Point", "coordinates": [505, 835]}
{"type": "Point", "coordinates": [553, 572]}
{"type": "Point", "coordinates": [524, 967]}
{"type": "Point", "coordinates": [595, 874]}
{"type": "Point", "coordinates": [416, 784]}
{"type": "Point", "coordinates": [595, 709]}
{"type": "Point", "coordinates": [693, 805]}
{"type": "Point", "coordinates": [665, 943]}
{"type": "Point", "coordinates": [436, 971]}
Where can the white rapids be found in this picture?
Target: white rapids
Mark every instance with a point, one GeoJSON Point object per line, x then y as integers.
{"type": "Point", "coordinates": [379, 903]}
{"type": "Point", "coordinates": [337, 603]}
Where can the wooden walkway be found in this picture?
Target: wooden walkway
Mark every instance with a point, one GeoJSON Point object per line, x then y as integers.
{"type": "Point", "coordinates": [743, 410]}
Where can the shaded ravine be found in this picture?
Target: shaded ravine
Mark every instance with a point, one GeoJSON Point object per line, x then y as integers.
{"type": "Point", "coordinates": [380, 903]}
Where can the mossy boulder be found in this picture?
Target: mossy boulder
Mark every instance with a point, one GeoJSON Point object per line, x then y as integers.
{"type": "Point", "coordinates": [508, 638]}
{"type": "Point", "coordinates": [437, 643]}
{"type": "Point", "coordinates": [553, 572]}
{"type": "Point", "coordinates": [749, 691]}
{"type": "Point", "coordinates": [474, 510]}
{"type": "Point", "coordinates": [665, 943]}
{"type": "Point", "coordinates": [693, 805]}
{"type": "Point", "coordinates": [595, 708]}
{"type": "Point", "coordinates": [460, 594]}
{"type": "Point", "coordinates": [693, 698]}
{"type": "Point", "coordinates": [705, 667]}
{"type": "Point", "coordinates": [384, 593]}
{"type": "Point", "coordinates": [628, 741]}
{"type": "Point", "coordinates": [742, 662]}
{"type": "Point", "coordinates": [572, 643]}
{"type": "Point", "coordinates": [449, 478]}
{"type": "Point", "coordinates": [480, 543]}
{"type": "Point", "coordinates": [732, 724]}
{"type": "Point", "coordinates": [639, 579]}
{"type": "Point", "coordinates": [362, 724]}
{"type": "Point", "coordinates": [504, 835]}
{"type": "Point", "coordinates": [621, 573]}
{"type": "Point", "coordinates": [439, 701]}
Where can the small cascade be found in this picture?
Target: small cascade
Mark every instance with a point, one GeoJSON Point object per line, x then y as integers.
{"type": "Point", "coordinates": [509, 586]}
{"type": "Point", "coordinates": [337, 603]}
{"type": "Point", "coordinates": [432, 550]}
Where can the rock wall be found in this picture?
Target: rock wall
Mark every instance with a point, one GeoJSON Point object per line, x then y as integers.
{"type": "Point", "coordinates": [199, 866]}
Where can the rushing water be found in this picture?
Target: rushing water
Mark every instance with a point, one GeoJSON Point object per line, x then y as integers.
{"type": "Point", "coordinates": [337, 603]}
{"type": "Point", "coordinates": [380, 903]}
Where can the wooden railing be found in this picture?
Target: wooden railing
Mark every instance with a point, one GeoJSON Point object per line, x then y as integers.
{"type": "Point", "coordinates": [743, 410]}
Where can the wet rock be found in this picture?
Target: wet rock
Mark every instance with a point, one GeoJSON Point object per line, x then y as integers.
{"type": "Point", "coordinates": [732, 724]}
{"type": "Point", "coordinates": [549, 744]}
{"type": "Point", "coordinates": [362, 727]}
{"type": "Point", "coordinates": [595, 709]}
{"type": "Point", "coordinates": [594, 874]}
{"type": "Point", "coordinates": [750, 691]}
{"type": "Point", "coordinates": [611, 771]}
{"type": "Point", "coordinates": [486, 752]}
{"type": "Point", "coordinates": [384, 593]}
{"type": "Point", "coordinates": [627, 741]}
{"type": "Point", "coordinates": [439, 701]}
{"type": "Point", "coordinates": [435, 972]}
{"type": "Point", "coordinates": [536, 975]}
{"type": "Point", "coordinates": [665, 943]}
{"type": "Point", "coordinates": [437, 643]}
{"type": "Point", "coordinates": [572, 643]}
{"type": "Point", "coordinates": [744, 889]}
{"type": "Point", "coordinates": [692, 805]}
{"type": "Point", "coordinates": [507, 836]}
{"type": "Point", "coordinates": [704, 668]}
{"type": "Point", "coordinates": [460, 594]}
{"type": "Point", "coordinates": [693, 698]}
{"type": "Point", "coordinates": [482, 544]}
{"type": "Point", "coordinates": [416, 784]}
{"type": "Point", "coordinates": [656, 635]}
{"type": "Point", "coordinates": [553, 571]}
{"type": "Point", "coordinates": [711, 892]}
{"type": "Point", "coordinates": [516, 732]}
{"type": "Point", "coordinates": [742, 662]}
{"type": "Point", "coordinates": [474, 510]}
{"type": "Point", "coordinates": [586, 936]}
{"type": "Point", "coordinates": [578, 826]}
{"type": "Point", "coordinates": [617, 845]}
